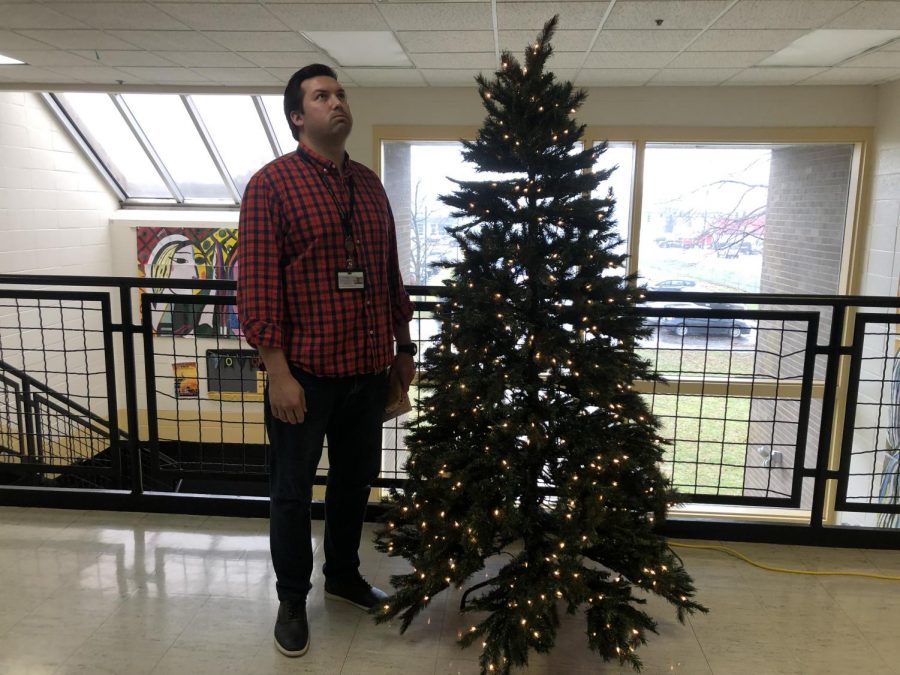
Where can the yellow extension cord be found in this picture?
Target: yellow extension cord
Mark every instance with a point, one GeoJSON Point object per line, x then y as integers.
{"type": "Point", "coordinates": [784, 570]}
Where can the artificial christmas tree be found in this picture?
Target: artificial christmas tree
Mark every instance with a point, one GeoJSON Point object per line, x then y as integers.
{"type": "Point", "coordinates": [532, 441]}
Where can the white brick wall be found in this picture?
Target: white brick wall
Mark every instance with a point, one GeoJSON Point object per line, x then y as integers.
{"type": "Point", "coordinates": [54, 209]}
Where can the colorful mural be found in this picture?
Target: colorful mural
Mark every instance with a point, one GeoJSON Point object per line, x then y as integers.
{"type": "Point", "coordinates": [189, 253]}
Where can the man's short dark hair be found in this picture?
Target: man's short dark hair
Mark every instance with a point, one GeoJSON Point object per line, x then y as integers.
{"type": "Point", "coordinates": [293, 97]}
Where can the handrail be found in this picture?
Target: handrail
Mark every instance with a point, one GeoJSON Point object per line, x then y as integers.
{"type": "Point", "coordinates": [62, 398]}
{"type": "Point", "coordinates": [192, 458]}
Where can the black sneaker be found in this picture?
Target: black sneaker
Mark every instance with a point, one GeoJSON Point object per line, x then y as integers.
{"type": "Point", "coordinates": [292, 629]}
{"type": "Point", "coordinates": [357, 591]}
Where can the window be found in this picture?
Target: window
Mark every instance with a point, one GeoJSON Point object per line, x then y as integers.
{"type": "Point", "coordinates": [108, 135]}
{"type": "Point", "coordinates": [708, 212]}
{"type": "Point", "coordinates": [176, 149]}
{"type": "Point", "coordinates": [233, 124]}
{"type": "Point", "coordinates": [415, 175]}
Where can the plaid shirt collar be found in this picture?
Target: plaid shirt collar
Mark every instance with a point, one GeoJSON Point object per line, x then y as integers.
{"type": "Point", "coordinates": [324, 162]}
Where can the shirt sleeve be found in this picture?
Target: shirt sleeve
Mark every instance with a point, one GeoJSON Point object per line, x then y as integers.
{"type": "Point", "coordinates": [401, 306]}
{"type": "Point", "coordinates": [260, 295]}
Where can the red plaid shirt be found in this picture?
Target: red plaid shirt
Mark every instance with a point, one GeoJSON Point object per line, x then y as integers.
{"type": "Point", "coordinates": [290, 248]}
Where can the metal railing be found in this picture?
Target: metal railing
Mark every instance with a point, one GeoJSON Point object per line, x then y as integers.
{"type": "Point", "coordinates": [782, 411]}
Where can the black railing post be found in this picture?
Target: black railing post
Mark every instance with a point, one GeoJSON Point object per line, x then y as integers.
{"type": "Point", "coordinates": [29, 421]}
{"type": "Point", "coordinates": [131, 403]}
{"type": "Point", "coordinates": [112, 398]}
{"type": "Point", "coordinates": [833, 351]}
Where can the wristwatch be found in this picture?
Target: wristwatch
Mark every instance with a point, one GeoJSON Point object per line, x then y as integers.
{"type": "Point", "coordinates": [409, 348]}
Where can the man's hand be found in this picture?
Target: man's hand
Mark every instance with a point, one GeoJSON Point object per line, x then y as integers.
{"type": "Point", "coordinates": [287, 398]}
{"type": "Point", "coordinates": [403, 369]}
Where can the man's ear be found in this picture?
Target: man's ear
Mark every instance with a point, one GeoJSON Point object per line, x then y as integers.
{"type": "Point", "coordinates": [297, 118]}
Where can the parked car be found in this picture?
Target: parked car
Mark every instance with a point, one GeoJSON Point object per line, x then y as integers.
{"type": "Point", "coordinates": [705, 325]}
{"type": "Point", "coordinates": [733, 249]}
{"type": "Point", "coordinates": [672, 285]}
{"type": "Point", "coordinates": [672, 242]}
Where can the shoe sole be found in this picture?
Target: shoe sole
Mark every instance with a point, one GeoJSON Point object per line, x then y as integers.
{"type": "Point", "coordinates": [347, 600]}
{"type": "Point", "coordinates": [292, 654]}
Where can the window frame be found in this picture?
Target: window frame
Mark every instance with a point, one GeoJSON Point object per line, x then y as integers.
{"type": "Point", "coordinates": [852, 253]}
{"type": "Point", "coordinates": [176, 198]}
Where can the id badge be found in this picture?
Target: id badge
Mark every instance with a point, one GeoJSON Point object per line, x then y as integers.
{"type": "Point", "coordinates": [351, 280]}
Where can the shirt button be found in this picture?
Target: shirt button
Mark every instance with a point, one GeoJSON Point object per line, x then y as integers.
{"type": "Point", "coordinates": [371, 332]}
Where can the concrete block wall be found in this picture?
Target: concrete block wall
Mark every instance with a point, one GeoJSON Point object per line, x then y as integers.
{"type": "Point", "coordinates": [880, 274]}
{"type": "Point", "coordinates": [882, 267]}
{"type": "Point", "coordinates": [54, 208]}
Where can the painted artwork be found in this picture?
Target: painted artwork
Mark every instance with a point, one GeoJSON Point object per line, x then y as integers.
{"type": "Point", "coordinates": [190, 253]}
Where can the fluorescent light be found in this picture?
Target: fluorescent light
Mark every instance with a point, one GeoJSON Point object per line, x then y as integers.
{"type": "Point", "coordinates": [359, 49]}
{"type": "Point", "coordinates": [9, 61]}
{"type": "Point", "coordinates": [829, 47]}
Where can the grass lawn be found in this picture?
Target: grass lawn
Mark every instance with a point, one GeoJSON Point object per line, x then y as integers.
{"type": "Point", "coordinates": [709, 441]}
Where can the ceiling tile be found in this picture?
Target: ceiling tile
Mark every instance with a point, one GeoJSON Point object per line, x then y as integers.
{"type": "Point", "coordinates": [564, 41]}
{"type": "Point", "coordinates": [694, 76]}
{"type": "Point", "coordinates": [446, 16]}
{"type": "Point", "coordinates": [614, 77]}
{"type": "Point", "coordinates": [675, 14]}
{"type": "Point", "coordinates": [533, 15]}
{"type": "Point", "coordinates": [349, 16]}
{"type": "Point", "coordinates": [426, 41]}
{"type": "Point", "coordinates": [632, 60]}
{"type": "Point", "coordinates": [171, 75]}
{"type": "Point", "coordinates": [451, 78]}
{"type": "Point", "coordinates": [249, 41]}
{"type": "Point", "coordinates": [10, 40]}
{"type": "Point", "coordinates": [159, 40]}
{"type": "Point", "coordinates": [91, 74]}
{"type": "Point", "coordinates": [643, 40]}
{"type": "Point", "coordinates": [783, 13]}
{"type": "Point", "coordinates": [855, 76]}
{"type": "Point", "coordinates": [123, 58]}
{"type": "Point", "coordinates": [77, 39]}
{"type": "Point", "coordinates": [32, 15]}
{"type": "Point", "coordinates": [208, 60]}
{"type": "Point", "coordinates": [28, 74]}
{"type": "Point", "coordinates": [232, 17]}
{"type": "Point", "coordinates": [874, 14]}
{"type": "Point", "coordinates": [49, 57]}
{"type": "Point", "coordinates": [292, 59]}
{"type": "Point", "coordinates": [237, 75]}
{"type": "Point", "coordinates": [125, 15]}
{"type": "Point", "coordinates": [718, 59]}
{"type": "Point", "coordinates": [879, 59]}
{"type": "Point", "coordinates": [564, 60]}
{"type": "Point", "coordinates": [766, 76]}
{"type": "Point", "coordinates": [745, 40]}
{"type": "Point", "coordinates": [476, 61]}
{"type": "Point", "coordinates": [380, 77]}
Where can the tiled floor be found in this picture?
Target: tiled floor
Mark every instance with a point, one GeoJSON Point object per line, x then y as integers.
{"type": "Point", "coordinates": [99, 592]}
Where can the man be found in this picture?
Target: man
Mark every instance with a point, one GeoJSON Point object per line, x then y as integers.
{"type": "Point", "coordinates": [320, 295]}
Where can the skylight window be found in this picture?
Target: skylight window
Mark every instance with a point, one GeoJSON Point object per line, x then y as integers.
{"type": "Point", "coordinates": [170, 149]}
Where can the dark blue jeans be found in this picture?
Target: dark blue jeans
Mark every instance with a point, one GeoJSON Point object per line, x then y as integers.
{"type": "Point", "coordinates": [348, 412]}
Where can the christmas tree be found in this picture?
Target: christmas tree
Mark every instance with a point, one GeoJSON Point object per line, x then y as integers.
{"type": "Point", "coordinates": [533, 441]}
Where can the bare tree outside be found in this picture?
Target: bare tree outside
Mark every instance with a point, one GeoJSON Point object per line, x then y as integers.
{"type": "Point", "coordinates": [420, 246]}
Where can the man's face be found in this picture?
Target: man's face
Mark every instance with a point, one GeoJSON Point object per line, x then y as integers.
{"type": "Point", "coordinates": [326, 113]}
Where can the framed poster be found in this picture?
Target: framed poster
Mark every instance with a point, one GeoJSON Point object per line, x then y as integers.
{"type": "Point", "coordinates": [187, 383]}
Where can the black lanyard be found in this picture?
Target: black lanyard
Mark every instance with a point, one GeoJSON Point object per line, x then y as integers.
{"type": "Point", "coordinates": [345, 216]}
